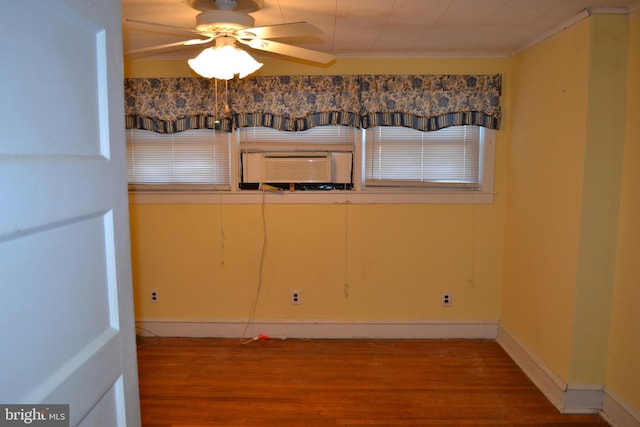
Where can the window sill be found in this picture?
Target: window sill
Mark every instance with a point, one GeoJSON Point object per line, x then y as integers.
{"type": "Point", "coordinates": [311, 197]}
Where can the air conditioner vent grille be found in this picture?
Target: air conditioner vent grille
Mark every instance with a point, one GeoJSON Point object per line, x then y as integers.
{"type": "Point", "coordinates": [297, 168]}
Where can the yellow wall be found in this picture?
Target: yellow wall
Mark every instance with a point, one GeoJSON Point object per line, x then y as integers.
{"type": "Point", "coordinates": [394, 265]}
{"type": "Point", "coordinates": [549, 112]}
{"type": "Point", "coordinates": [601, 197]}
{"type": "Point", "coordinates": [569, 100]}
{"type": "Point", "coordinates": [623, 369]}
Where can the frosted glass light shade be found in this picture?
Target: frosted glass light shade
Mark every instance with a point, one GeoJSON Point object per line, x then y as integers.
{"type": "Point", "coordinates": [223, 63]}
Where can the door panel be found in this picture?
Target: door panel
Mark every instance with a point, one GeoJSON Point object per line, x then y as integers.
{"type": "Point", "coordinates": [60, 54]}
{"type": "Point", "coordinates": [65, 271]}
{"type": "Point", "coordinates": [105, 412]}
{"type": "Point", "coordinates": [50, 191]}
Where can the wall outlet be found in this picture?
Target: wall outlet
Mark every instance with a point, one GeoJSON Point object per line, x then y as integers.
{"type": "Point", "coordinates": [154, 296]}
{"type": "Point", "coordinates": [295, 298]}
{"type": "Point", "coordinates": [446, 299]}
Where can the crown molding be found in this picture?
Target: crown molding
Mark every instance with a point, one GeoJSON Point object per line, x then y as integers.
{"type": "Point", "coordinates": [585, 13]}
{"type": "Point", "coordinates": [609, 10]}
{"type": "Point", "coordinates": [395, 55]}
{"type": "Point", "coordinates": [555, 30]}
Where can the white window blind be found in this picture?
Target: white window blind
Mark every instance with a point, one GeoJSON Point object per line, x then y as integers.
{"type": "Point", "coordinates": [399, 156]}
{"type": "Point", "coordinates": [321, 138]}
{"type": "Point", "coordinates": [185, 160]}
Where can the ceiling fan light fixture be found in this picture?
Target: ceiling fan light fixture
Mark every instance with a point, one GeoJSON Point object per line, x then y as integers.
{"type": "Point", "coordinates": [223, 63]}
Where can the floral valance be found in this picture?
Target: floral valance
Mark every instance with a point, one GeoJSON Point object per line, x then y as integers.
{"type": "Point", "coordinates": [169, 105]}
{"type": "Point", "coordinates": [422, 102]}
{"type": "Point", "coordinates": [296, 102]}
{"type": "Point", "coordinates": [431, 102]}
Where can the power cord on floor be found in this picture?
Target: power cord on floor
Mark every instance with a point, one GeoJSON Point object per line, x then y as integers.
{"type": "Point", "coordinates": [262, 337]}
{"type": "Point", "coordinates": [145, 334]}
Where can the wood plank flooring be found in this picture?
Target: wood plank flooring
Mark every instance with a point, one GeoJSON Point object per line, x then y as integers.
{"type": "Point", "coordinates": [187, 382]}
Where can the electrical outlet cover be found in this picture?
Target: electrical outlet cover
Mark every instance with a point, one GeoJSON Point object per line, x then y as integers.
{"type": "Point", "coordinates": [446, 299]}
{"type": "Point", "coordinates": [296, 298]}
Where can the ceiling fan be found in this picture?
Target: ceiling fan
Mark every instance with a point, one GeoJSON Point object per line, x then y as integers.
{"type": "Point", "coordinates": [225, 22]}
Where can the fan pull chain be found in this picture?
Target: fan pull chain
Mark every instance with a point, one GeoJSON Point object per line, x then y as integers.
{"type": "Point", "coordinates": [216, 122]}
{"type": "Point", "coordinates": [226, 95]}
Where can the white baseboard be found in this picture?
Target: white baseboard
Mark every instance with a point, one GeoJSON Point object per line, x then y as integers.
{"type": "Point", "coordinates": [618, 413]}
{"type": "Point", "coordinates": [319, 329]}
{"type": "Point", "coordinates": [583, 398]}
{"type": "Point", "coordinates": [567, 398]}
{"type": "Point", "coordinates": [548, 383]}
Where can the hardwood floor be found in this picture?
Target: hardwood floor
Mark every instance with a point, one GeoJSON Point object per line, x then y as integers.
{"type": "Point", "coordinates": [186, 382]}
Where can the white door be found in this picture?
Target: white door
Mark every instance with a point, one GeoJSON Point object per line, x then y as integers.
{"type": "Point", "coordinates": [66, 309]}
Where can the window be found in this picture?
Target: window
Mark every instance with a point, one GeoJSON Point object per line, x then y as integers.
{"type": "Point", "coordinates": [401, 157]}
{"type": "Point", "coordinates": [195, 159]}
{"type": "Point", "coordinates": [297, 158]}
{"type": "Point", "coordinates": [376, 165]}
{"type": "Point", "coordinates": [314, 139]}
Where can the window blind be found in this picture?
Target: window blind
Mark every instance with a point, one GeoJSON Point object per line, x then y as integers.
{"type": "Point", "coordinates": [321, 138]}
{"type": "Point", "coordinates": [181, 160]}
{"type": "Point", "coordinates": [400, 156]}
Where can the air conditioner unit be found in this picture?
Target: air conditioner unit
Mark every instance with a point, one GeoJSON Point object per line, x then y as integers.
{"type": "Point", "coordinates": [297, 167]}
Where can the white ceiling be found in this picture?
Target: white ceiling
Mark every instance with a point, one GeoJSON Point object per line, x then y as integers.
{"type": "Point", "coordinates": [383, 27]}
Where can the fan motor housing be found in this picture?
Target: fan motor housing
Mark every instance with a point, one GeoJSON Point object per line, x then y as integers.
{"type": "Point", "coordinates": [216, 21]}
{"type": "Point", "coordinates": [243, 6]}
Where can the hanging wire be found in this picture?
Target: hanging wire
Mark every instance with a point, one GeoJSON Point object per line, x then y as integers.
{"type": "Point", "coordinates": [346, 287]}
{"type": "Point", "coordinates": [263, 254]}
{"type": "Point", "coordinates": [222, 235]}
{"type": "Point", "coordinates": [472, 265]}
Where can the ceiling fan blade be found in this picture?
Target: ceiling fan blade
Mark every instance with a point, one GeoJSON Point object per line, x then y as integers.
{"type": "Point", "coordinates": [169, 45]}
{"type": "Point", "coordinates": [290, 50]}
{"type": "Point", "coordinates": [156, 24]}
{"type": "Point", "coordinates": [292, 29]}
